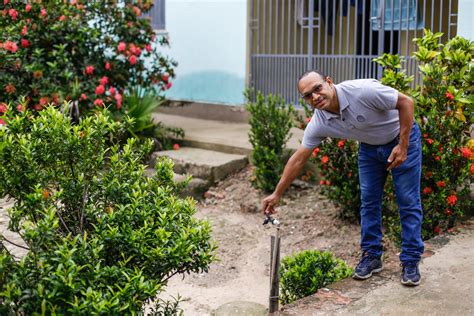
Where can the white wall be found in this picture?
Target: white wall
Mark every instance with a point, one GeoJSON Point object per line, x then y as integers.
{"type": "Point", "coordinates": [465, 19]}
{"type": "Point", "coordinates": [208, 40]}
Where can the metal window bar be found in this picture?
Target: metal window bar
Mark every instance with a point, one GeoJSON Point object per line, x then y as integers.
{"type": "Point", "coordinates": [288, 37]}
{"type": "Point", "coordinates": [157, 15]}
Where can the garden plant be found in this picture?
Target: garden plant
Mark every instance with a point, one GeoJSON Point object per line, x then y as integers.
{"type": "Point", "coordinates": [86, 52]}
{"type": "Point", "coordinates": [271, 119]}
{"type": "Point", "coordinates": [102, 237]}
{"type": "Point", "coordinates": [303, 273]}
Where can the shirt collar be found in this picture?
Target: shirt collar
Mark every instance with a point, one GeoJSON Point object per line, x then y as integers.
{"type": "Point", "coordinates": [343, 104]}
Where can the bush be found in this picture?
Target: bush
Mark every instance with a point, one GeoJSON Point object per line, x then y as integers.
{"type": "Point", "coordinates": [139, 104]}
{"type": "Point", "coordinates": [306, 272]}
{"type": "Point", "coordinates": [87, 52]}
{"type": "Point", "coordinates": [443, 100]}
{"type": "Point", "coordinates": [270, 123]}
{"type": "Point", "coordinates": [102, 237]}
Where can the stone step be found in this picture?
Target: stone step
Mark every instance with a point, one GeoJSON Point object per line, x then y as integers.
{"type": "Point", "coordinates": [208, 165]}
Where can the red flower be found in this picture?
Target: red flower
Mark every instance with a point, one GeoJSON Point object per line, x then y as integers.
{"type": "Point", "coordinates": [2, 122]}
{"type": "Point", "coordinates": [448, 212]}
{"type": "Point", "coordinates": [98, 102]}
{"type": "Point", "coordinates": [349, 174]}
{"type": "Point", "coordinates": [89, 70]}
{"type": "Point", "coordinates": [20, 108]}
{"type": "Point", "coordinates": [43, 12]}
{"type": "Point", "coordinates": [10, 46]}
{"type": "Point", "coordinates": [437, 229]}
{"type": "Point", "coordinates": [324, 159]}
{"type": "Point", "coordinates": [429, 141]}
{"type": "Point", "coordinates": [83, 96]}
{"type": "Point", "coordinates": [341, 143]}
{"type": "Point", "coordinates": [168, 85]}
{"type": "Point", "coordinates": [137, 11]}
{"type": "Point", "coordinates": [425, 135]}
{"type": "Point", "coordinates": [132, 59]}
{"type": "Point", "coordinates": [452, 199]}
{"type": "Point", "coordinates": [104, 80]}
{"type": "Point", "coordinates": [427, 190]}
{"type": "Point", "coordinates": [455, 151]}
{"type": "Point", "coordinates": [328, 182]}
{"type": "Point", "coordinates": [112, 91]}
{"type": "Point", "coordinates": [10, 89]}
{"type": "Point", "coordinates": [108, 66]}
{"type": "Point", "coordinates": [24, 30]}
{"type": "Point", "coordinates": [62, 18]}
{"type": "Point", "coordinates": [13, 14]}
{"type": "Point", "coordinates": [28, 8]}
{"type": "Point", "coordinates": [429, 174]}
{"type": "Point", "coordinates": [437, 158]}
{"type": "Point", "coordinates": [165, 77]}
{"type": "Point", "coordinates": [118, 98]}
{"type": "Point", "coordinates": [24, 43]}
{"type": "Point", "coordinates": [316, 151]}
{"type": "Point", "coordinates": [99, 89]}
{"type": "Point", "coordinates": [466, 152]}
{"type": "Point", "coordinates": [3, 108]}
{"type": "Point", "coordinates": [176, 146]}
{"type": "Point", "coordinates": [121, 46]}
{"type": "Point", "coordinates": [43, 101]}
{"type": "Point", "coordinates": [441, 184]}
{"type": "Point", "coordinates": [321, 182]}
{"type": "Point", "coordinates": [472, 168]}
{"type": "Point", "coordinates": [148, 47]}
{"type": "Point", "coordinates": [449, 96]}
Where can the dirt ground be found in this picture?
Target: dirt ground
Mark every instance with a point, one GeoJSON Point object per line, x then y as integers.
{"type": "Point", "coordinates": [308, 221]}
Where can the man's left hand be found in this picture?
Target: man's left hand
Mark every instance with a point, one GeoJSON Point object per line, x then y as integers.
{"type": "Point", "coordinates": [397, 157]}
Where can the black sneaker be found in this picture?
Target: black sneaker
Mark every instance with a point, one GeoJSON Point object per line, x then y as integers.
{"type": "Point", "coordinates": [410, 274]}
{"type": "Point", "coordinates": [367, 265]}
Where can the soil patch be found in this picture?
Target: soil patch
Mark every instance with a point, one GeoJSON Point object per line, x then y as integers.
{"type": "Point", "coordinates": [308, 221]}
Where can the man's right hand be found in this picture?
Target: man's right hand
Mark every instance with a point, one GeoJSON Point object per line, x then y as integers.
{"type": "Point", "coordinates": [269, 203]}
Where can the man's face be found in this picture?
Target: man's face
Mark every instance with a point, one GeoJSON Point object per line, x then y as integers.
{"type": "Point", "coordinates": [316, 91]}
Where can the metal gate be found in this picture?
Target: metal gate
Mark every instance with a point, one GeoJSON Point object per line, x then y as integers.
{"type": "Point", "coordinates": [338, 37]}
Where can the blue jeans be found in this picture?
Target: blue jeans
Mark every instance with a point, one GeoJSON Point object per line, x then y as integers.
{"type": "Point", "coordinates": [406, 179]}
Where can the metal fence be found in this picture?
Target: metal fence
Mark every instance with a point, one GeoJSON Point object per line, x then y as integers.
{"type": "Point", "coordinates": [338, 37]}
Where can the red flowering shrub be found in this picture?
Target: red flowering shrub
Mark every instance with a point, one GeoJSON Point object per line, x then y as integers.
{"type": "Point", "coordinates": [447, 167]}
{"type": "Point", "coordinates": [88, 52]}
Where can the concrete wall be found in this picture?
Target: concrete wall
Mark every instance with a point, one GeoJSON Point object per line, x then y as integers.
{"type": "Point", "coordinates": [465, 19]}
{"type": "Point", "coordinates": [209, 41]}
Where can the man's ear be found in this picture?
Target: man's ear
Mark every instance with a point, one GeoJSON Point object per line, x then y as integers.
{"type": "Point", "coordinates": [329, 80]}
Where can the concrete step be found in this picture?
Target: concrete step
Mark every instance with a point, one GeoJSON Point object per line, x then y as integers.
{"type": "Point", "coordinates": [221, 136]}
{"type": "Point", "coordinates": [211, 166]}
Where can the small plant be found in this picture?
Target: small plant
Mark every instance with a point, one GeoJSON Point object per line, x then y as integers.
{"type": "Point", "coordinates": [270, 123]}
{"type": "Point", "coordinates": [306, 272]}
{"type": "Point", "coordinates": [103, 238]}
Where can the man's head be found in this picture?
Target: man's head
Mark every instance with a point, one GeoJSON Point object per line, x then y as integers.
{"type": "Point", "coordinates": [318, 91]}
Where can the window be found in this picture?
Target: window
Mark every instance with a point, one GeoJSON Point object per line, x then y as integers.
{"type": "Point", "coordinates": [157, 15]}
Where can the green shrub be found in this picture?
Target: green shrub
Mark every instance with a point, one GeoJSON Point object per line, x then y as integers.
{"type": "Point", "coordinates": [140, 103]}
{"type": "Point", "coordinates": [102, 237]}
{"type": "Point", "coordinates": [270, 123]}
{"type": "Point", "coordinates": [306, 272]}
{"type": "Point", "coordinates": [87, 52]}
{"type": "Point", "coordinates": [443, 102]}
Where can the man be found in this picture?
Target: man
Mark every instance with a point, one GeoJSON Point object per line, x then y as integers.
{"type": "Point", "coordinates": [381, 119]}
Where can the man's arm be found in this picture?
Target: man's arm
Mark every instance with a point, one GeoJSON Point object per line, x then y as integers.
{"type": "Point", "coordinates": [292, 170]}
{"type": "Point", "coordinates": [405, 107]}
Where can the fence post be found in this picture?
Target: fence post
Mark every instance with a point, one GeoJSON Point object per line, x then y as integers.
{"type": "Point", "coordinates": [274, 272]}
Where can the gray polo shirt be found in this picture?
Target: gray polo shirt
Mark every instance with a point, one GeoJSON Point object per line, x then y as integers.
{"type": "Point", "coordinates": [368, 114]}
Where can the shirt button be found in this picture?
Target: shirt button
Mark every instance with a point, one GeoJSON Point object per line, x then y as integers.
{"type": "Point", "coordinates": [343, 119]}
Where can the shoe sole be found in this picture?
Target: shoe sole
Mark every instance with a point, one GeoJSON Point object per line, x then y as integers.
{"type": "Point", "coordinates": [410, 282]}
{"type": "Point", "coordinates": [363, 277]}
